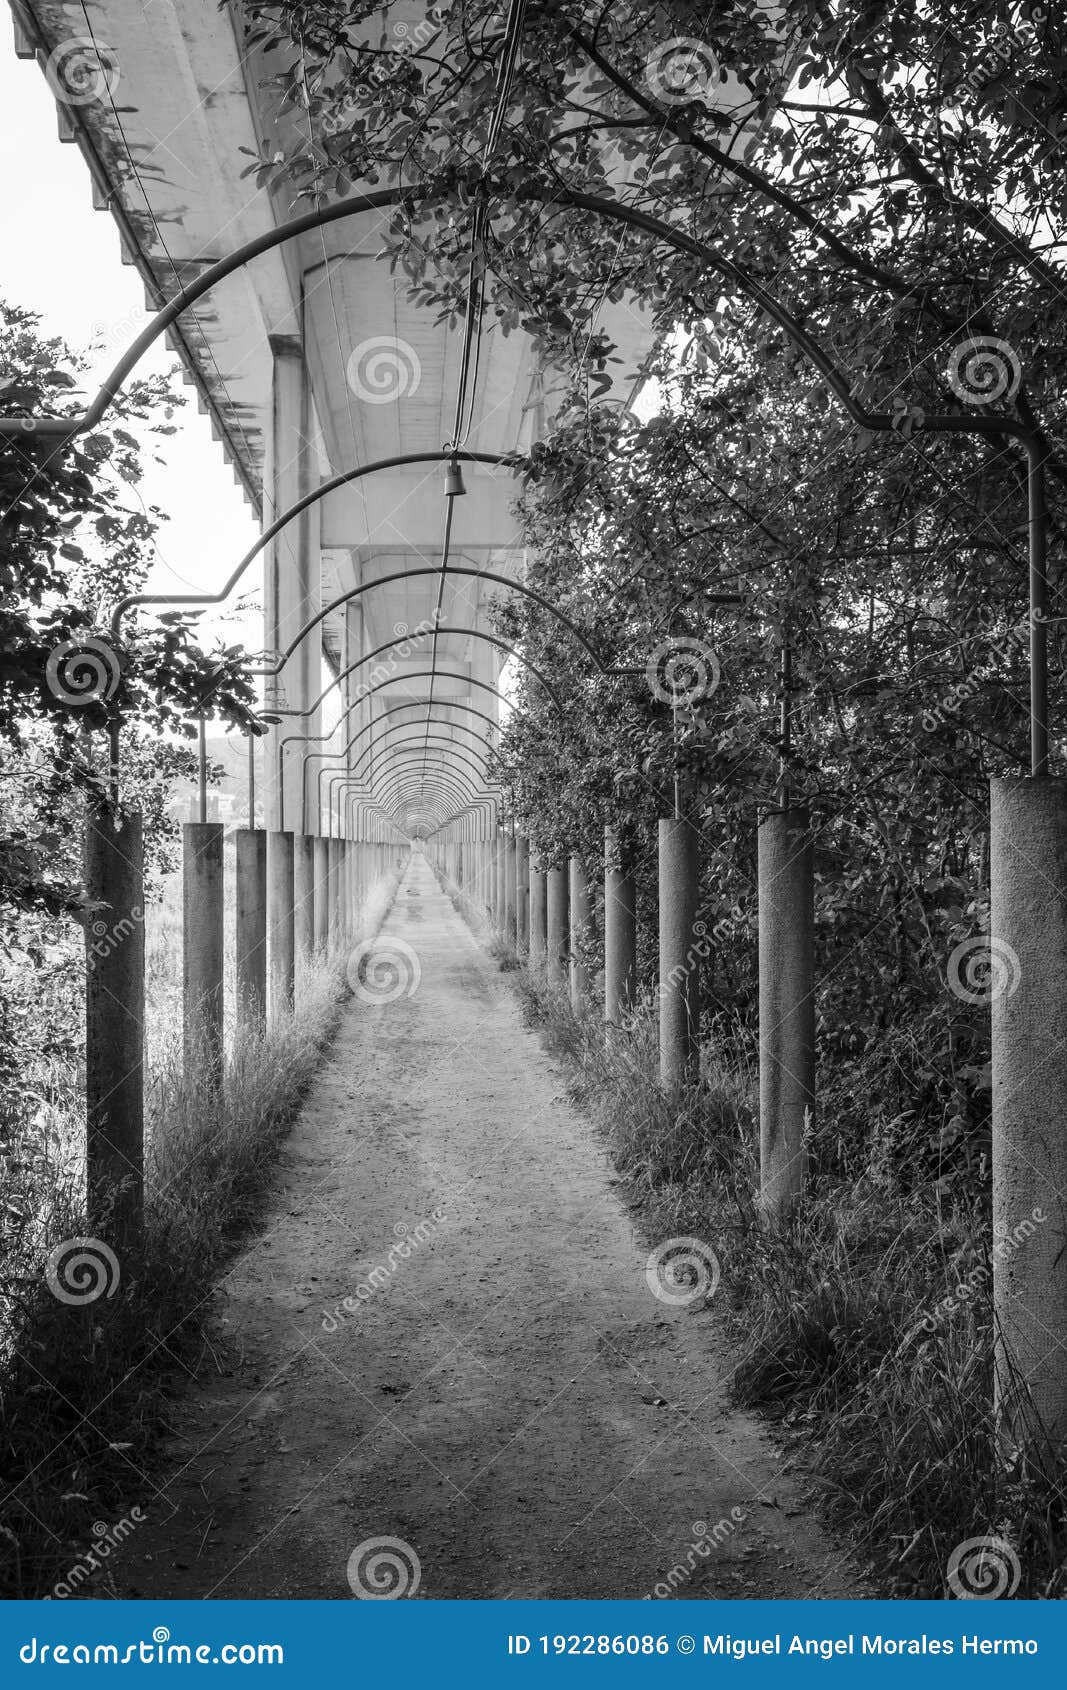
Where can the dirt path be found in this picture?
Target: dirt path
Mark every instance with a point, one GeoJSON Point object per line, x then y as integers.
{"type": "Point", "coordinates": [508, 1399]}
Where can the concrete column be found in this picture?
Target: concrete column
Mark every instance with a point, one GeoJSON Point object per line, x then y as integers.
{"type": "Point", "coordinates": [1023, 976]}
{"type": "Point", "coordinates": [522, 894]}
{"type": "Point", "coordinates": [304, 896]}
{"type": "Point", "coordinates": [557, 922]}
{"type": "Point", "coordinates": [581, 934]}
{"type": "Point", "coordinates": [203, 893]}
{"type": "Point", "coordinates": [786, 1003]}
{"type": "Point", "coordinates": [620, 932]}
{"type": "Point", "coordinates": [281, 933]}
{"type": "Point", "coordinates": [114, 1028]}
{"type": "Point", "coordinates": [538, 913]}
{"type": "Point", "coordinates": [322, 894]}
{"type": "Point", "coordinates": [511, 887]}
{"type": "Point", "coordinates": [333, 863]}
{"type": "Point", "coordinates": [679, 958]}
{"type": "Point", "coordinates": [250, 926]}
{"type": "Point", "coordinates": [291, 572]}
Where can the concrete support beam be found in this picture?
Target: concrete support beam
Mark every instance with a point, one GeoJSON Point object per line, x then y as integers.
{"type": "Point", "coordinates": [557, 925]}
{"type": "Point", "coordinates": [1024, 978]}
{"type": "Point", "coordinates": [620, 933]}
{"type": "Point", "coordinates": [322, 895]}
{"type": "Point", "coordinates": [281, 929]}
{"type": "Point", "coordinates": [250, 926]}
{"type": "Point", "coordinates": [679, 956]}
{"type": "Point", "coordinates": [538, 913]}
{"type": "Point", "coordinates": [511, 882]}
{"type": "Point", "coordinates": [114, 1029]}
{"type": "Point", "coordinates": [203, 894]}
{"type": "Point", "coordinates": [786, 1003]}
{"type": "Point", "coordinates": [304, 897]}
{"type": "Point", "coordinates": [581, 934]}
{"type": "Point", "coordinates": [522, 893]}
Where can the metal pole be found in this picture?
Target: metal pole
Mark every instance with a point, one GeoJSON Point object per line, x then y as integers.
{"type": "Point", "coordinates": [538, 913]}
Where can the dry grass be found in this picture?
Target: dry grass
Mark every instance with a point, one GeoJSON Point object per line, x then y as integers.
{"type": "Point", "coordinates": [84, 1389]}
{"type": "Point", "coordinates": [824, 1316]}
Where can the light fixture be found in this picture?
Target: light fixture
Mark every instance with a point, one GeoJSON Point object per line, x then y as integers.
{"type": "Point", "coordinates": [454, 488]}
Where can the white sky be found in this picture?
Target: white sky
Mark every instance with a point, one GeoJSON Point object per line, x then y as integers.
{"type": "Point", "coordinates": [61, 259]}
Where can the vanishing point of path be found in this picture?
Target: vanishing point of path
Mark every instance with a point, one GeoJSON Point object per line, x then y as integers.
{"type": "Point", "coordinates": [510, 1399]}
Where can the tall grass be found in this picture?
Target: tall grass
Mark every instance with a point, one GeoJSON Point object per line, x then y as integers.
{"type": "Point", "coordinates": [84, 1390]}
{"type": "Point", "coordinates": [846, 1325]}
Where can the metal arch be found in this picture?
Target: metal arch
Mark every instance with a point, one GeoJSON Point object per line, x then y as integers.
{"type": "Point", "coordinates": [384, 752]}
{"type": "Point", "coordinates": [418, 675]}
{"type": "Point", "coordinates": [297, 509]}
{"type": "Point", "coordinates": [63, 429]}
{"type": "Point", "coordinates": [455, 569]}
{"type": "Point", "coordinates": [414, 704]}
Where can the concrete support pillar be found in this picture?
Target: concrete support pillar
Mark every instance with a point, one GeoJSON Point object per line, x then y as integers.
{"type": "Point", "coordinates": [581, 934]}
{"type": "Point", "coordinates": [522, 894]}
{"type": "Point", "coordinates": [291, 573]}
{"type": "Point", "coordinates": [304, 897]}
{"type": "Point", "coordinates": [203, 895]}
{"type": "Point", "coordinates": [557, 922]}
{"type": "Point", "coordinates": [679, 957]}
{"type": "Point", "coordinates": [333, 867]}
{"type": "Point", "coordinates": [281, 932]}
{"type": "Point", "coordinates": [321, 895]}
{"type": "Point", "coordinates": [786, 1003]}
{"type": "Point", "coordinates": [114, 1029]}
{"type": "Point", "coordinates": [511, 888]}
{"type": "Point", "coordinates": [620, 932]}
{"type": "Point", "coordinates": [538, 913]}
{"type": "Point", "coordinates": [250, 926]}
{"type": "Point", "coordinates": [1023, 976]}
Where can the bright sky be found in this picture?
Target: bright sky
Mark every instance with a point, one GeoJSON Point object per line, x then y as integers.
{"type": "Point", "coordinates": [61, 259]}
